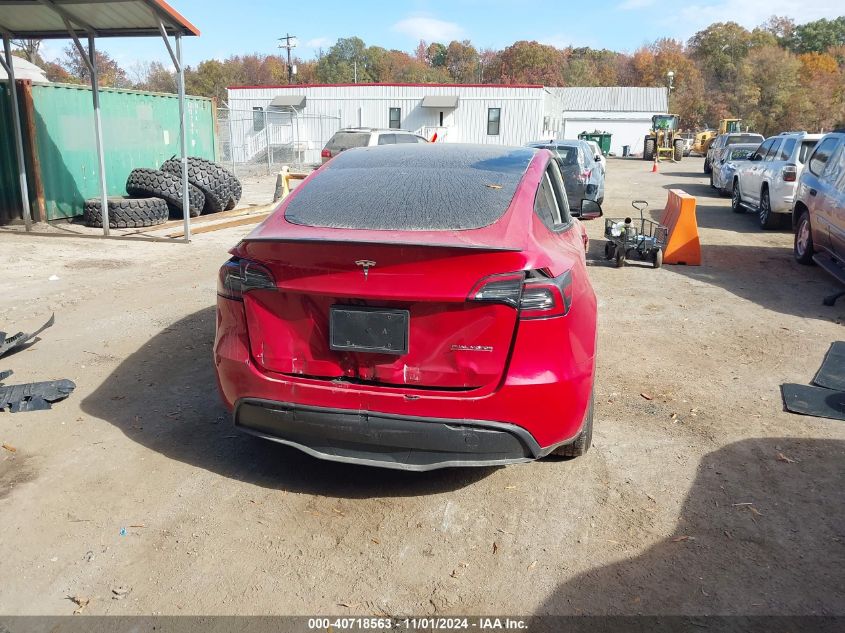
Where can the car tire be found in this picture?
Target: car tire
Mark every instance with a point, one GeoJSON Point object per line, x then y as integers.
{"type": "Point", "coordinates": [208, 177]}
{"type": "Point", "coordinates": [712, 182]}
{"type": "Point", "coordinates": [154, 183]}
{"type": "Point", "coordinates": [609, 250]}
{"type": "Point", "coordinates": [126, 213]}
{"type": "Point", "coordinates": [707, 168]}
{"type": "Point", "coordinates": [768, 220]}
{"type": "Point", "coordinates": [736, 199]}
{"type": "Point", "coordinates": [620, 257]}
{"type": "Point", "coordinates": [582, 443]}
{"type": "Point", "coordinates": [803, 245]}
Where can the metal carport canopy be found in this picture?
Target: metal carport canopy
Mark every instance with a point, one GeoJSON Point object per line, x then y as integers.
{"type": "Point", "coordinates": [53, 19]}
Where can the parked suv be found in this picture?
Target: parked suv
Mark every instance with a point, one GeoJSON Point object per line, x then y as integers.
{"type": "Point", "coordinates": [722, 141]}
{"type": "Point", "coordinates": [350, 137]}
{"type": "Point", "coordinates": [766, 182]}
{"type": "Point", "coordinates": [818, 215]}
{"type": "Point", "coordinates": [583, 174]}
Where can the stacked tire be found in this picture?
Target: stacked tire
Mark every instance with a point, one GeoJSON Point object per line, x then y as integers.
{"type": "Point", "coordinates": [221, 188]}
{"type": "Point", "coordinates": [156, 194]}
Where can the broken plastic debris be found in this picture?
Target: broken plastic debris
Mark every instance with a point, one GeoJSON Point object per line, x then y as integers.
{"type": "Point", "coordinates": [53, 278]}
{"type": "Point", "coordinates": [34, 396]}
{"type": "Point", "coordinates": [18, 340]}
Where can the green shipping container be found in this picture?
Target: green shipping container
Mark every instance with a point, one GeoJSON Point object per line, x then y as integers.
{"type": "Point", "coordinates": [140, 129]}
{"type": "Point", "coordinates": [10, 195]}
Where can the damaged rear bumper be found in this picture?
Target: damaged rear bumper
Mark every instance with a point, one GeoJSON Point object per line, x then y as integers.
{"type": "Point", "coordinates": [386, 440]}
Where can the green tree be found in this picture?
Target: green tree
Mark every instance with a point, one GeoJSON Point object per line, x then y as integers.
{"type": "Point", "coordinates": [819, 36]}
{"type": "Point", "coordinates": [719, 50]}
{"type": "Point", "coordinates": [108, 70]}
{"type": "Point", "coordinates": [769, 96]}
{"type": "Point", "coordinates": [462, 62]}
{"type": "Point", "coordinates": [436, 54]}
{"type": "Point", "coordinates": [532, 63]}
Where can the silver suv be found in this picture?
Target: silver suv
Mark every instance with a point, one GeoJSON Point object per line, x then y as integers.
{"type": "Point", "coordinates": [350, 137]}
{"type": "Point", "coordinates": [765, 183]}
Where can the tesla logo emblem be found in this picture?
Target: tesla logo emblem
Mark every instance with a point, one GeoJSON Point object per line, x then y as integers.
{"type": "Point", "coordinates": [366, 264]}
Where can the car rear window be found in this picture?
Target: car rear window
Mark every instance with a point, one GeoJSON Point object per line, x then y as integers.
{"type": "Point", "coordinates": [412, 187]}
{"type": "Point", "coordinates": [743, 138]}
{"type": "Point", "coordinates": [741, 153]}
{"type": "Point", "coordinates": [819, 159]}
{"type": "Point", "coordinates": [806, 148]}
{"type": "Point", "coordinates": [347, 140]}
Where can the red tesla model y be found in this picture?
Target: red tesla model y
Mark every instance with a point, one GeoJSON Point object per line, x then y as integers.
{"type": "Point", "coordinates": [415, 307]}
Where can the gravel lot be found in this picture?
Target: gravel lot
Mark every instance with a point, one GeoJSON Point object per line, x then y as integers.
{"type": "Point", "coordinates": [700, 495]}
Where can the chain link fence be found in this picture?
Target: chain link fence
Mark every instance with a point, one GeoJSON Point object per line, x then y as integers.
{"type": "Point", "coordinates": [261, 141]}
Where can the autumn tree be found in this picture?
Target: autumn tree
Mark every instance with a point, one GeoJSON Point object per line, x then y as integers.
{"type": "Point", "coordinates": [769, 96]}
{"type": "Point", "coordinates": [462, 62]}
{"type": "Point", "coordinates": [532, 63]}
{"type": "Point", "coordinates": [109, 72]}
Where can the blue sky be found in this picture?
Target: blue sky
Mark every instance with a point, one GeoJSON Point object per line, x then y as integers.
{"type": "Point", "coordinates": [254, 26]}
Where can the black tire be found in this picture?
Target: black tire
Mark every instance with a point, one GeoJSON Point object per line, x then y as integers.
{"type": "Point", "coordinates": [707, 168]}
{"type": "Point", "coordinates": [678, 150]}
{"type": "Point", "coordinates": [126, 213]}
{"type": "Point", "coordinates": [736, 199]}
{"type": "Point", "coordinates": [803, 244]}
{"type": "Point", "coordinates": [712, 182]}
{"type": "Point", "coordinates": [235, 195]}
{"type": "Point", "coordinates": [648, 149]}
{"type": "Point", "coordinates": [584, 440]}
{"type": "Point", "coordinates": [163, 184]}
{"type": "Point", "coordinates": [208, 177]}
{"type": "Point", "coordinates": [657, 258]}
{"type": "Point", "coordinates": [620, 257]}
{"type": "Point", "coordinates": [609, 250]}
{"type": "Point", "coordinates": [768, 220]}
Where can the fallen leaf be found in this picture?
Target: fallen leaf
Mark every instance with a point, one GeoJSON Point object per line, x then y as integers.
{"type": "Point", "coordinates": [338, 512]}
{"type": "Point", "coordinates": [348, 605]}
{"type": "Point", "coordinates": [678, 539]}
{"type": "Point", "coordinates": [532, 565]}
{"type": "Point", "coordinates": [495, 547]}
{"type": "Point", "coordinates": [780, 457]}
{"type": "Point", "coordinates": [138, 525]}
{"type": "Point", "coordinates": [510, 487]}
{"type": "Point", "coordinates": [80, 602]}
{"type": "Point", "coordinates": [454, 573]}
{"type": "Point", "coordinates": [10, 448]}
{"type": "Point", "coordinates": [646, 396]}
{"type": "Point", "coordinates": [376, 541]}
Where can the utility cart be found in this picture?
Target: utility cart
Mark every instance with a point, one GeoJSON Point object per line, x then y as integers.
{"type": "Point", "coordinates": [625, 236]}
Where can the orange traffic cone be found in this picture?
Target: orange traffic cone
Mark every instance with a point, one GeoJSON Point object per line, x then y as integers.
{"type": "Point", "coordinates": [654, 166]}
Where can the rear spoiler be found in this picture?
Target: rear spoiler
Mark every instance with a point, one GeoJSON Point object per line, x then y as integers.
{"type": "Point", "coordinates": [458, 246]}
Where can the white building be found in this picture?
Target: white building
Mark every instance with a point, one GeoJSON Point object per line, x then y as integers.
{"type": "Point", "coordinates": [307, 116]}
{"type": "Point", "coordinates": [25, 70]}
{"type": "Point", "coordinates": [301, 119]}
{"type": "Point", "coordinates": [623, 112]}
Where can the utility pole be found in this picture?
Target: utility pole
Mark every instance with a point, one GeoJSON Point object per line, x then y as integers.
{"type": "Point", "coordinates": [289, 43]}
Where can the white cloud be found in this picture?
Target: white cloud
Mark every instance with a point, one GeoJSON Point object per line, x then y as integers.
{"type": "Point", "coordinates": [751, 13]}
{"type": "Point", "coordinates": [632, 5]}
{"type": "Point", "coordinates": [429, 29]}
{"type": "Point", "coordinates": [318, 42]}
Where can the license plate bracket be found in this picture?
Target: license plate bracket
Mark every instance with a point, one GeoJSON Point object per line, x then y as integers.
{"type": "Point", "coordinates": [370, 330]}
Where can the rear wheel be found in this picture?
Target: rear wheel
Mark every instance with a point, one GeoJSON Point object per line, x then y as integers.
{"type": "Point", "coordinates": [768, 220]}
{"type": "Point", "coordinates": [804, 240]}
{"type": "Point", "coordinates": [657, 258]}
{"type": "Point", "coordinates": [584, 440]}
{"type": "Point", "coordinates": [678, 148]}
{"type": "Point", "coordinates": [707, 167]}
{"type": "Point", "coordinates": [712, 182]}
{"type": "Point", "coordinates": [736, 199]}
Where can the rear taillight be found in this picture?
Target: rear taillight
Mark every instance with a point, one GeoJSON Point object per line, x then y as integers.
{"type": "Point", "coordinates": [326, 153]}
{"type": "Point", "coordinates": [790, 173]}
{"type": "Point", "coordinates": [536, 295]}
{"type": "Point", "coordinates": [239, 276]}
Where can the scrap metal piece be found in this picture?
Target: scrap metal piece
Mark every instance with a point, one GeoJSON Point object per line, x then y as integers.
{"type": "Point", "coordinates": [831, 374]}
{"type": "Point", "coordinates": [34, 396]}
{"type": "Point", "coordinates": [20, 339]}
{"type": "Point", "coordinates": [4, 375]}
{"type": "Point", "coordinates": [815, 401]}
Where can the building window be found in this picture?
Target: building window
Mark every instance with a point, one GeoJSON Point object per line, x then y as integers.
{"type": "Point", "coordinates": [494, 116]}
{"type": "Point", "coordinates": [395, 118]}
{"type": "Point", "coordinates": [257, 119]}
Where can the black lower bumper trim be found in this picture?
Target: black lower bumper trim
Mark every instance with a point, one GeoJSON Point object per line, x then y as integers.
{"type": "Point", "coordinates": [391, 441]}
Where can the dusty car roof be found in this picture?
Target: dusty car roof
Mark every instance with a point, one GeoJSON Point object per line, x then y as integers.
{"type": "Point", "coordinates": [412, 187]}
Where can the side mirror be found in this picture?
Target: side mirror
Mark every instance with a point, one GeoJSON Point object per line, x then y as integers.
{"type": "Point", "coordinates": [590, 210]}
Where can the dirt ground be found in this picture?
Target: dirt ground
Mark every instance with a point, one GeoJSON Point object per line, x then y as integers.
{"type": "Point", "coordinates": [706, 498]}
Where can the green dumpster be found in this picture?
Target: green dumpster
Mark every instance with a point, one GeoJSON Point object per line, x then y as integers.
{"type": "Point", "coordinates": [602, 138]}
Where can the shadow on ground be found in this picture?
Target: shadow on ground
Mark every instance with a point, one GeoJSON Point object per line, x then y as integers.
{"type": "Point", "coordinates": [164, 396]}
{"type": "Point", "coordinates": [760, 532]}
